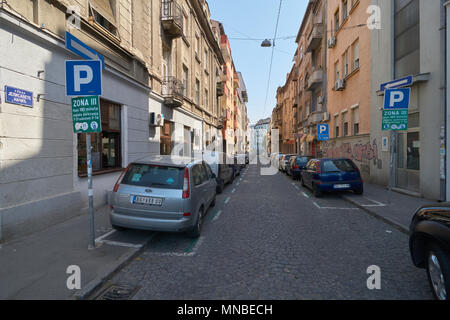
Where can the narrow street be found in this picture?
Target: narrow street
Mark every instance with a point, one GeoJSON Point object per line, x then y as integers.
{"type": "Point", "coordinates": [268, 238]}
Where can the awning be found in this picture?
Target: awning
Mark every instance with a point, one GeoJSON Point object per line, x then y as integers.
{"type": "Point", "coordinates": [104, 8]}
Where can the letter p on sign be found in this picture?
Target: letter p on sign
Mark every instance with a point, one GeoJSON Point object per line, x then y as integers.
{"type": "Point", "coordinates": [397, 98]}
{"type": "Point", "coordinates": [83, 78]}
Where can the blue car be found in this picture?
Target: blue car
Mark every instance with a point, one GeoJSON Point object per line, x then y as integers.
{"type": "Point", "coordinates": [328, 175]}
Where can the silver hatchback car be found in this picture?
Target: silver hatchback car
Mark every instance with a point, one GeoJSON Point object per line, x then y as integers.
{"type": "Point", "coordinates": [163, 194]}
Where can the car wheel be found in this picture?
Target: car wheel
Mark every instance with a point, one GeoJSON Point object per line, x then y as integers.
{"type": "Point", "coordinates": [438, 271]}
{"type": "Point", "coordinates": [197, 229]}
{"type": "Point", "coordinates": [220, 187]}
{"type": "Point", "coordinates": [117, 228]}
{"type": "Point", "coordinates": [213, 203]}
{"type": "Point", "coordinates": [316, 191]}
{"type": "Point", "coordinates": [359, 191]}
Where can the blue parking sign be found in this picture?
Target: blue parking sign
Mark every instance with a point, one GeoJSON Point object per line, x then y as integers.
{"type": "Point", "coordinates": [83, 78]}
{"type": "Point", "coordinates": [397, 98]}
{"type": "Point", "coordinates": [323, 132]}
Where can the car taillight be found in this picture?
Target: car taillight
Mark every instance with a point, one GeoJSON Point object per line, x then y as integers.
{"type": "Point", "coordinates": [116, 186]}
{"type": "Point", "coordinates": [295, 167]}
{"type": "Point", "coordinates": [186, 184]}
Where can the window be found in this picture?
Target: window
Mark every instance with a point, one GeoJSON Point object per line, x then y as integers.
{"type": "Point", "coordinates": [345, 121]}
{"type": "Point", "coordinates": [407, 37]}
{"type": "Point", "coordinates": [206, 98]}
{"type": "Point", "coordinates": [106, 146]}
{"type": "Point", "coordinates": [336, 20]}
{"type": "Point", "coordinates": [197, 91]}
{"type": "Point", "coordinates": [165, 62]}
{"type": "Point", "coordinates": [345, 61]}
{"type": "Point", "coordinates": [185, 25]}
{"type": "Point", "coordinates": [197, 44]}
{"type": "Point", "coordinates": [187, 141]}
{"type": "Point", "coordinates": [413, 151]}
{"type": "Point", "coordinates": [102, 13]}
{"type": "Point", "coordinates": [185, 81]}
{"type": "Point", "coordinates": [355, 121]}
{"type": "Point", "coordinates": [355, 55]}
{"type": "Point", "coordinates": [205, 60]}
{"type": "Point", "coordinates": [336, 123]}
{"type": "Point", "coordinates": [345, 9]}
{"type": "Point", "coordinates": [166, 144]}
{"type": "Point", "coordinates": [336, 68]}
{"type": "Point", "coordinates": [161, 177]}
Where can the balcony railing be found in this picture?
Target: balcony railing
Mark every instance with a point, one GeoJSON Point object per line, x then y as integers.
{"type": "Point", "coordinates": [172, 91]}
{"type": "Point", "coordinates": [316, 37]}
{"type": "Point", "coordinates": [172, 18]}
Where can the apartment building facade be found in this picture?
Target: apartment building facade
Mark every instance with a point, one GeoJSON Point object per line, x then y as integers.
{"type": "Point", "coordinates": [349, 84]}
{"type": "Point", "coordinates": [411, 42]}
{"type": "Point", "coordinates": [160, 89]}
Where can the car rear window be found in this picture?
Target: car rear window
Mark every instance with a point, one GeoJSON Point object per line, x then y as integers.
{"type": "Point", "coordinates": [338, 165]}
{"type": "Point", "coordinates": [146, 175]}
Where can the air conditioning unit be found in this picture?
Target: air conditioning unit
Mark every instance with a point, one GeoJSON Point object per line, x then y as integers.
{"type": "Point", "coordinates": [326, 116]}
{"type": "Point", "coordinates": [332, 42]}
{"type": "Point", "coordinates": [156, 120]}
{"type": "Point", "coordinates": [340, 85]}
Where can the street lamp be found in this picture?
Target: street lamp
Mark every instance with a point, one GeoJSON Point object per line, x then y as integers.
{"type": "Point", "coordinates": [266, 43]}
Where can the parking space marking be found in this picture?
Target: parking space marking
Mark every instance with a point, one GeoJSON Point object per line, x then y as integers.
{"type": "Point", "coordinates": [306, 195]}
{"type": "Point", "coordinates": [226, 200]}
{"type": "Point", "coordinates": [332, 208]}
{"type": "Point", "coordinates": [120, 244]}
{"type": "Point", "coordinates": [377, 204]}
{"type": "Point", "coordinates": [232, 191]}
{"type": "Point", "coordinates": [215, 216]}
{"type": "Point", "coordinates": [193, 246]}
{"type": "Point", "coordinates": [100, 239]}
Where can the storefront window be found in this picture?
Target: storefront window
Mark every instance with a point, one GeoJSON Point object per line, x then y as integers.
{"type": "Point", "coordinates": [106, 146]}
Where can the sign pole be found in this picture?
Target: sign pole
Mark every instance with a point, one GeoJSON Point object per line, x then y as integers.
{"type": "Point", "coordinates": [90, 191]}
{"type": "Point", "coordinates": [391, 173]}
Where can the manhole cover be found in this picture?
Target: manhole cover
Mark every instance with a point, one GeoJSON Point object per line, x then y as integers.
{"type": "Point", "coordinates": [118, 292]}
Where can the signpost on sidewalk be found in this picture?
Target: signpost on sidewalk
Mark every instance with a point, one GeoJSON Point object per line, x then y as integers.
{"type": "Point", "coordinates": [84, 83]}
{"type": "Point", "coordinates": [395, 118]}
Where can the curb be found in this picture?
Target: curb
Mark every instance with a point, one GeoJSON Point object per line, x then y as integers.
{"type": "Point", "coordinates": [390, 222]}
{"type": "Point", "coordinates": [94, 285]}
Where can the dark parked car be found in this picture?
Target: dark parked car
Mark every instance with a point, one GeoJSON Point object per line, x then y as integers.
{"type": "Point", "coordinates": [225, 176]}
{"type": "Point", "coordinates": [328, 175]}
{"type": "Point", "coordinates": [429, 243]}
{"type": "Point", "coordinates": [297, 165]}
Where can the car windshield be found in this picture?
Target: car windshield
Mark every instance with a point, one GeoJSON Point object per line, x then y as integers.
{"type": "Point", "coordinates": [145, 175]}
{"type": "Point", "coordinates": [341, 165]}
{"type": "Point", "coordinates": [302, 161]}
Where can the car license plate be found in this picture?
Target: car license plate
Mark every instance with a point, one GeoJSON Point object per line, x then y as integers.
{"type": "Point", "coordinates": [148, 200]}
{"type": "Point", "coordinates": [341, 186]}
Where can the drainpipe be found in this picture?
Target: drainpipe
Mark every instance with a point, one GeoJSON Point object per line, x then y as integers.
{"type": "Point", "coordinates": [447, 102]}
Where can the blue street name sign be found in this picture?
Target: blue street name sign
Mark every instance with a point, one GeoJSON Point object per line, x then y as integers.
{"type": "Point", "coordinates": [83, 50]}
{"type": "Point", "coordinates": [18, 96]}
{"type": "Point", "coordinates": [323, 132]}
{"type": "Point", "coordinates": [83, 78]}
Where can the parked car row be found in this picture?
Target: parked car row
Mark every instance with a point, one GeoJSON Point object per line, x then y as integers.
{"type": "Point", "coordinates": [323, 175]}
{"type": "Point", "coordinates": [168, 193]}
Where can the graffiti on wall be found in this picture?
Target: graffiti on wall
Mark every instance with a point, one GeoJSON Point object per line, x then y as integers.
{"type": "Point", "coordinates": [357, 151]}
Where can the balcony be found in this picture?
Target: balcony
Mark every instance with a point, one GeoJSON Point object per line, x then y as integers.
{"type": "Point", "coordinates": [172, 18]}
{"type": "Point", "coordinates": [220, 89]}
{"type": "Point", "coordinates": [172, 92]}
{"type": "Point", "coordinates": [315, 118]}
{"type": "Point", "coordinates": [316, 79]}
{"type": "Point", "coordinates": [315, 38]}
{"type": "Point", "coordinates": [225, 46]}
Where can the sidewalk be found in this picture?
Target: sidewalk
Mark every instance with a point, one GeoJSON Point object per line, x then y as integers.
{"type": "Point", "coordinates": [375, 202]}
{"type": "Point", "coordinates": [35, 267]}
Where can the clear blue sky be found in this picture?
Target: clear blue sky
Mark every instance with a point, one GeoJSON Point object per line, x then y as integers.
{"type": "Point", "coordinates": [257, 19]}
